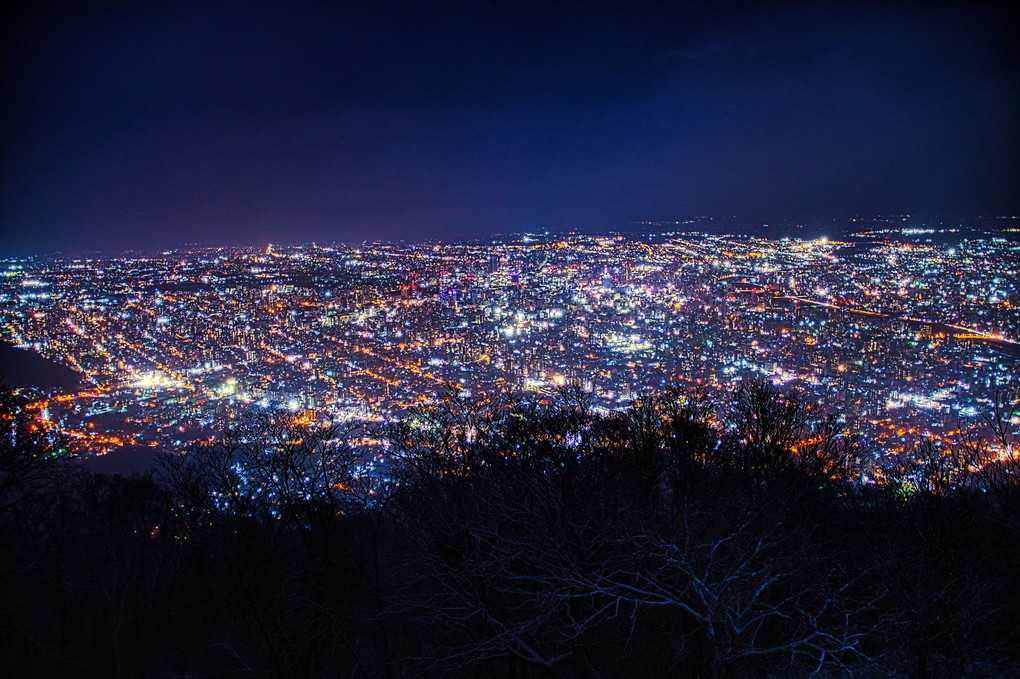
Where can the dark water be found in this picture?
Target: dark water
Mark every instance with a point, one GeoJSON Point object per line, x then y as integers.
{"type": "Point", "coordinates": [21, 368]}
{"type": "Point", "coordinates": [125, 461]}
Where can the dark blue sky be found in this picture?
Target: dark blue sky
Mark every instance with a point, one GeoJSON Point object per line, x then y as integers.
{"type": "Point", "coordinates": [134, 125]}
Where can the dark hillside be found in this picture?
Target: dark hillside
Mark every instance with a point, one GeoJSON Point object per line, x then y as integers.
{"type": "Point", "coordinates": [678, 538]}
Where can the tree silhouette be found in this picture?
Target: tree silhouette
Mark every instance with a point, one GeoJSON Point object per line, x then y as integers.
{"type": "Point", "coordinates": [516, 536]}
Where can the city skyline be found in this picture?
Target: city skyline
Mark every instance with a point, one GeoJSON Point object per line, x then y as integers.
{"type": "Point", "coordinates": [153, 128]}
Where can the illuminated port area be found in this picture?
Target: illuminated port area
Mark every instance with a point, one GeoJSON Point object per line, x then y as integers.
{"type": "Point", "coordinates": [904, 328]}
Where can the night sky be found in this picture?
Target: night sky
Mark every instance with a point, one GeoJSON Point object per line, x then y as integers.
{"type": "Point", "coordinates": [156, 124]}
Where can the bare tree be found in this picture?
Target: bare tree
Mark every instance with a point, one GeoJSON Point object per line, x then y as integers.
{"type": "Point", "coordinates": [992, 451]}
{"type": "Point", "coordinates": [31, 452]}
{"type": "Point", "coordinates": [765, 425]}
{"type": "Point", "coordinates": [272, 498]}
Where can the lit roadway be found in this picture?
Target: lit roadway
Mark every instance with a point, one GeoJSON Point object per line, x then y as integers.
{"type": "Point", "coordinates": [971, 333]}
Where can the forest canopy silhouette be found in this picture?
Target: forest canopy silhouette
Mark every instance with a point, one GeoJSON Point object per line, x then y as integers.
{"type": "Point", "coordinates": [518, 537]}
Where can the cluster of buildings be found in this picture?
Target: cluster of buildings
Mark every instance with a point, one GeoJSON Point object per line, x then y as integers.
{"type": "Point", "coordinates": [907, 329]}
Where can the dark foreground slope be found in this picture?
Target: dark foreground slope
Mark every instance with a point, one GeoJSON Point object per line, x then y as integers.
{"type": "Point", "coordinates": [514, 539]}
